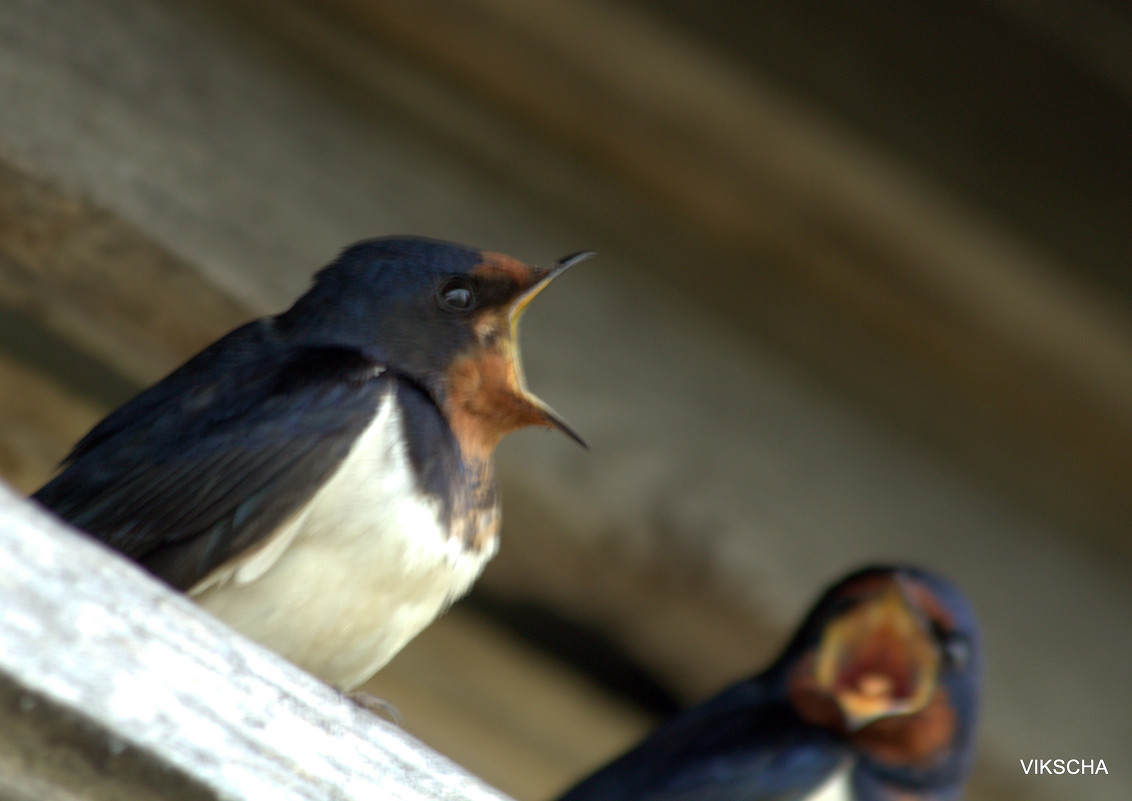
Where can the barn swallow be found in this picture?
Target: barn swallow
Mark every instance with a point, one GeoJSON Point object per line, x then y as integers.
{"type": "Point", "coordinates": [322, 480]}
{"type": "Point", "coordinates": [874, 699]}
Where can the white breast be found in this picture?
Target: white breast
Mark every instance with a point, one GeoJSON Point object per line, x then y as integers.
{"type": "Point", "coordinates": [837, 787]}
{"type": "Point", "coordinates": [358, 574]}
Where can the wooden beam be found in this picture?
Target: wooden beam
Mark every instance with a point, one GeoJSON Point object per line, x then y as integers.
{"type": "Point", "coordinates": [80, 274]}
{"type": "Point", "coordinates": [791, 226]}
{"type": "Point", "coordinates": [114, 687]}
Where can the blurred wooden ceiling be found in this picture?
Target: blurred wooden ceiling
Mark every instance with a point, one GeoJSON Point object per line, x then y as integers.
{"type": "Point", "coordinates": [926, 204]}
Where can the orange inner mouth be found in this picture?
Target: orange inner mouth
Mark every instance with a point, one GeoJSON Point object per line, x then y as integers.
{"type": "Point", "coordinates": [878, 660]}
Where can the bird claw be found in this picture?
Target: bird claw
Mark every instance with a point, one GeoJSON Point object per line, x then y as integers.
{"type": "Point", "coordinates": [378, 706]}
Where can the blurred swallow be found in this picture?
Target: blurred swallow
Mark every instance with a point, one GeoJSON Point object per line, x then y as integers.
{"type": "Point", "coordinates": [322, 480]}
{"type": "Point", "coordinates": [874, 699]}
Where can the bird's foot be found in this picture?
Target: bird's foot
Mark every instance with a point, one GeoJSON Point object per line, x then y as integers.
{"type": "Point", "coordinates": [378, 706]}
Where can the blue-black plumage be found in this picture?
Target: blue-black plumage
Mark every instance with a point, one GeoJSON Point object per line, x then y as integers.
{"type": "Point", "coordinates": [322, 479]}
{"type": "Point", "coordinates": [874, 699]}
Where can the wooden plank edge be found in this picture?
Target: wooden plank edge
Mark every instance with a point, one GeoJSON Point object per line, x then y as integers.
{"type": "Point", "coordinates": [122, 674]}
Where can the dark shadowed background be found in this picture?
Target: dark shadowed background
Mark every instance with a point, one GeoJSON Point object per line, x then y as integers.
{"type": "Point", "coordinates": [863, 293]}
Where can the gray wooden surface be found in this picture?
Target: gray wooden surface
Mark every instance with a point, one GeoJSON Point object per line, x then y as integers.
{"type": "Point", "coordinates": [114, 687]}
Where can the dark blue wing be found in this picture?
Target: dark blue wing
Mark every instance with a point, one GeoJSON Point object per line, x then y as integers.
{"type": "Point", "coordinates": [216, 456]}
{"type": "Point", "coordinates": [740, 746]}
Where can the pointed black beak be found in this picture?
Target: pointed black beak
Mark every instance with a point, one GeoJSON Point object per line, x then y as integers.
{"type": "Point", "coordinates": [517, 309]}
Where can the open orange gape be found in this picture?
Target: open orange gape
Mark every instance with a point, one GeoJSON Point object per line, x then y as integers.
{"type": "Point", "coordinates": [878, 659]}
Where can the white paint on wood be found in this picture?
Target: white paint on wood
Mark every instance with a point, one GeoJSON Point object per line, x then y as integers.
{"type": "Point", "coordinates": [87, 632]}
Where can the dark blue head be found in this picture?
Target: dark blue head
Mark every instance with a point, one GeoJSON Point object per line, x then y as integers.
{"type": "Point", "coordinates": [442, 314]}
{"type": "Point", "coordinates": [383, 297]}
{"type": "Point", "coordinates": [890, 659]}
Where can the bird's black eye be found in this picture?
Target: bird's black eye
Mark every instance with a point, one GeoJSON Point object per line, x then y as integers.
{"type": "Point", "coordinates": [456, 295]}
{"type": "Point", "coordinates": [955, 648]}
{"type": "Point", "coordinates": [958, 651]}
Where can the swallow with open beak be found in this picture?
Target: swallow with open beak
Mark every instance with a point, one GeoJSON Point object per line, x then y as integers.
{"type": "Point", "coordinates": [874, 699]}
{"type": "Point", "coordinates": [322, 479]}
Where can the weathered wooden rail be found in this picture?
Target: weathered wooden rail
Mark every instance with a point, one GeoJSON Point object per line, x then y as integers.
{"type": "Point", "coordinates": [114, 687]}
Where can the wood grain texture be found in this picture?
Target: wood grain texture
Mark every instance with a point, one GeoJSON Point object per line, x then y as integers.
{"type": "Point", "coordinates": [141, 695]}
